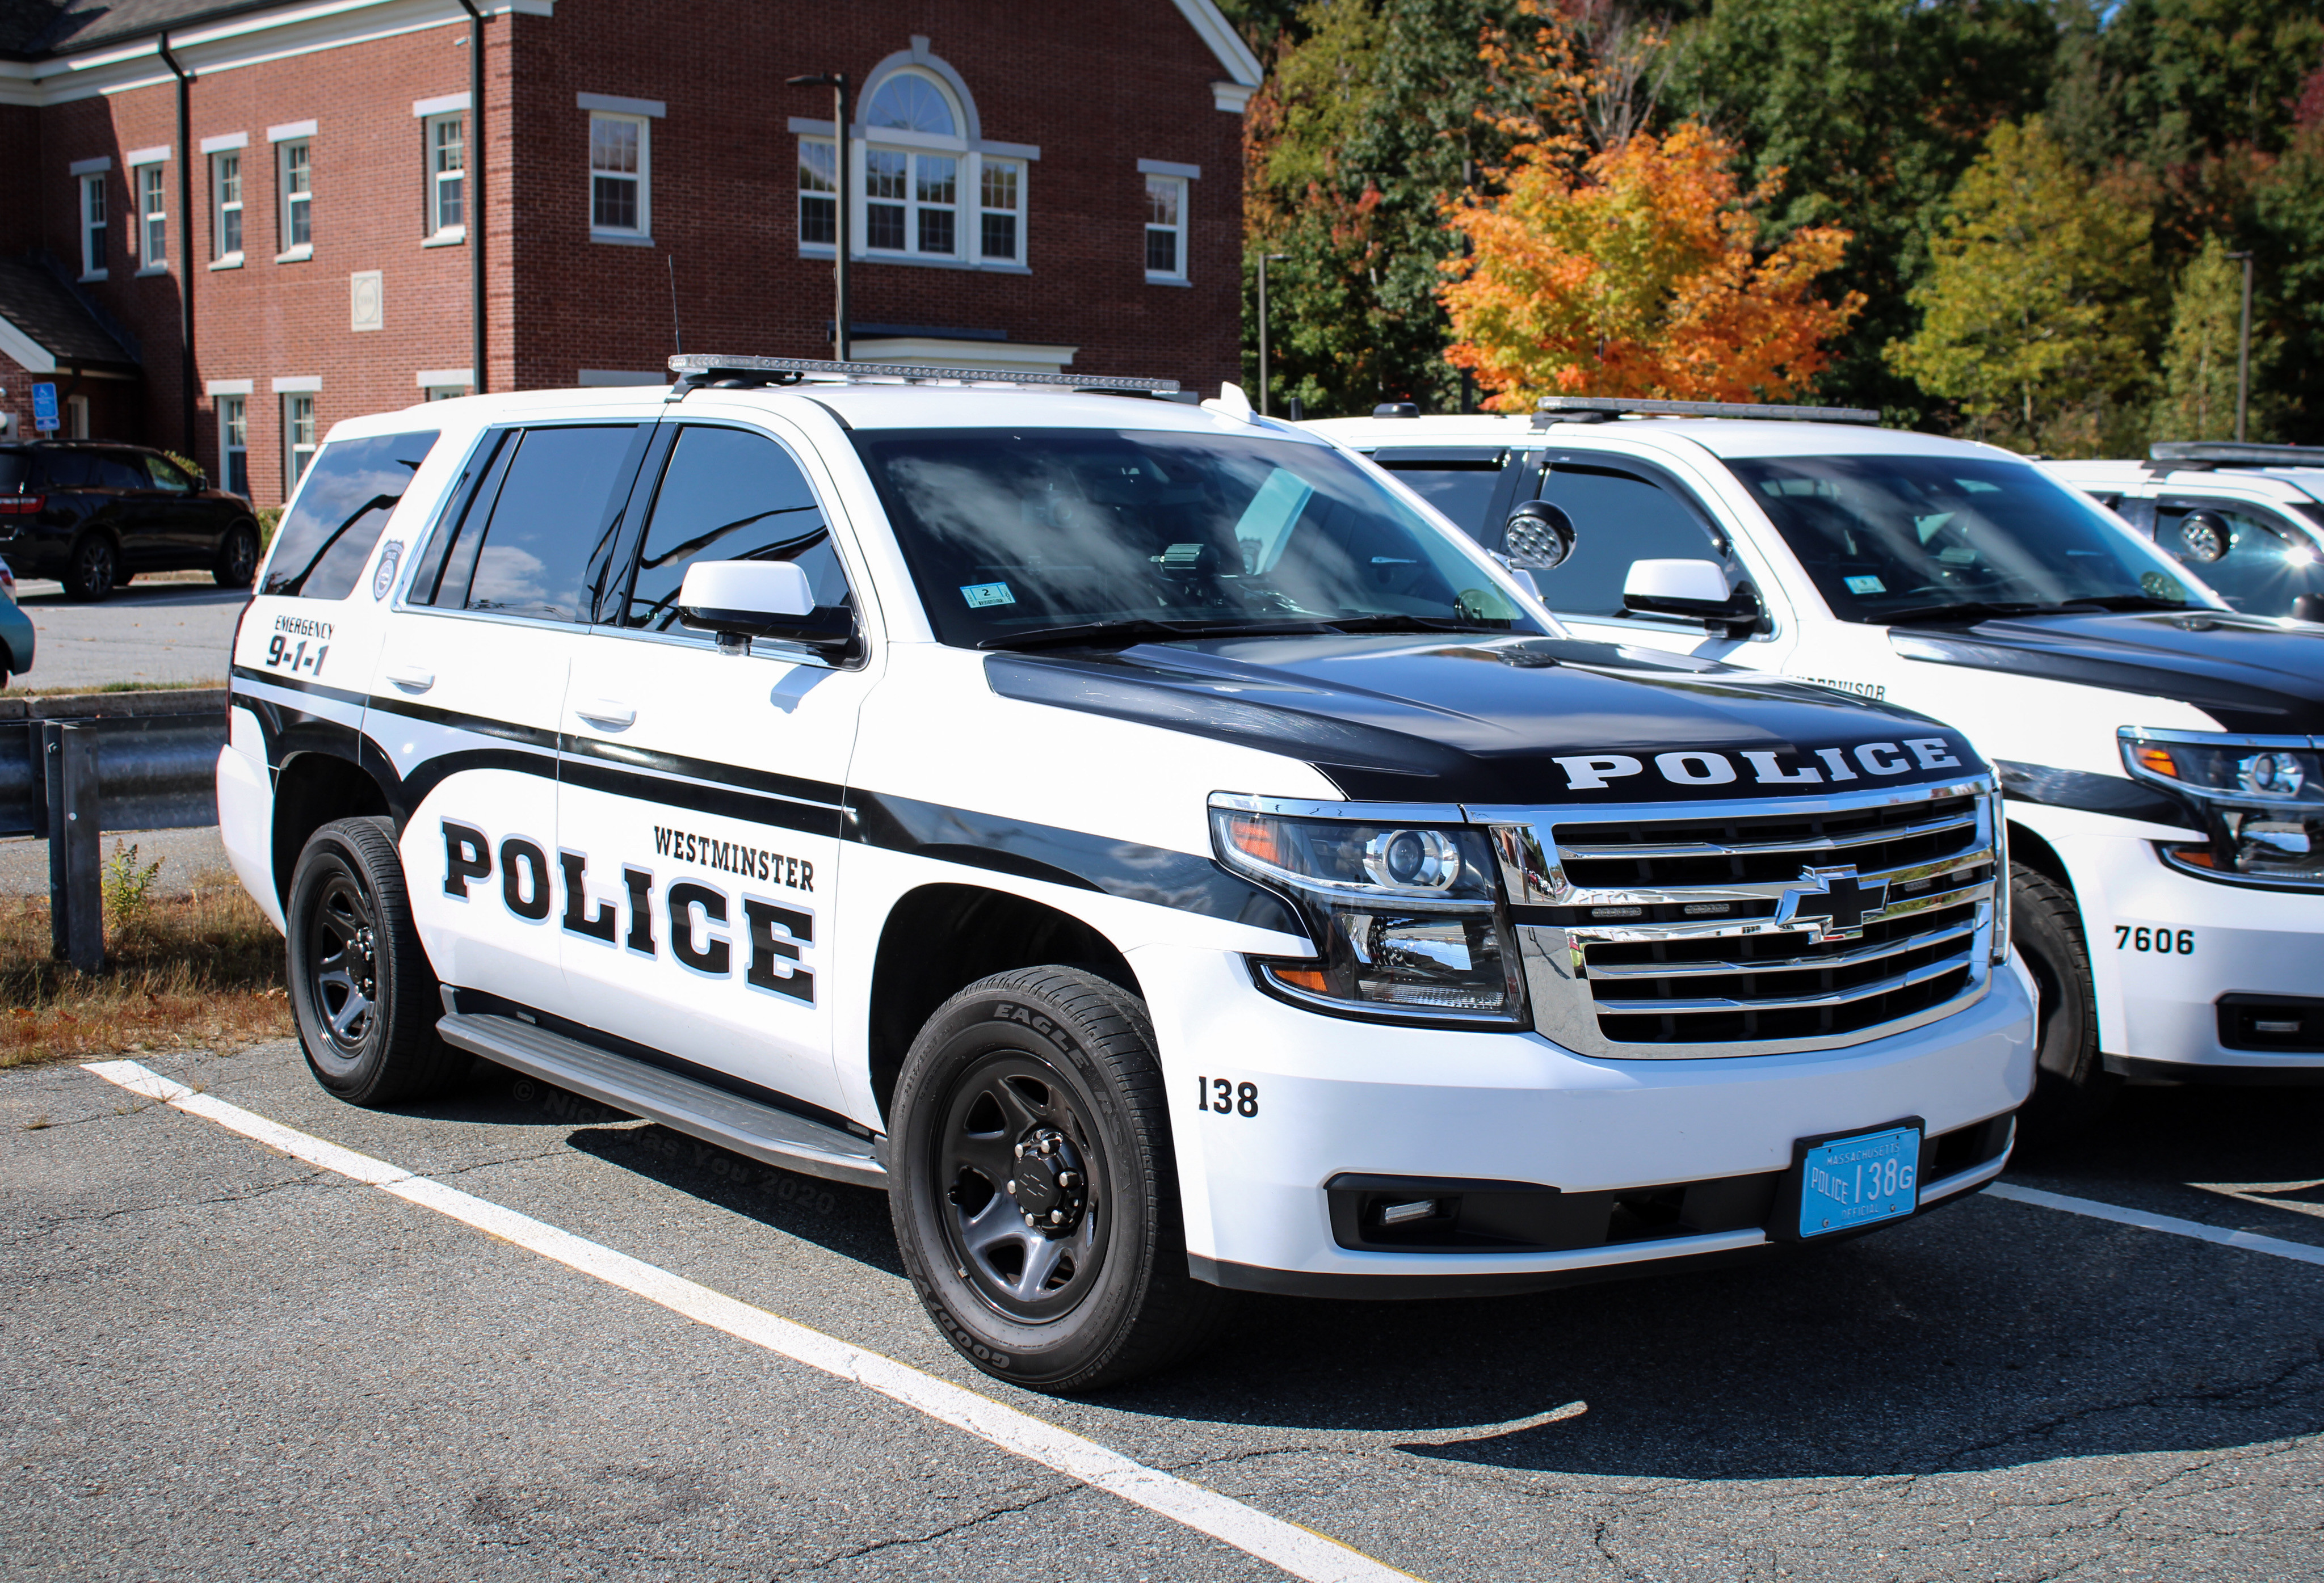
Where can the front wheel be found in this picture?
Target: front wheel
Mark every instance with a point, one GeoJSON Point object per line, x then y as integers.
{"type": "Point", "coordinates": [1035, 1196]}
{"type": "Point", "coordinates": [238, 559]}
{"type": "Point", "coordinates": [361, 989]}
{"type": "Point", "coordinates": [2071, 1086]}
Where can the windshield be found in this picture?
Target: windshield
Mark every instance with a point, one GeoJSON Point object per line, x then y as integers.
{"type": "Point", "coordinates": [1892, 538]}
{"type": "Point", "coordinates": [1015, 534]}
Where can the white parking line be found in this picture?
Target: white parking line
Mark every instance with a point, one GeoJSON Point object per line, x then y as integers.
{"type": "Point", "coordinates": [2250, 1241]}
{"type": "Point", "coordinates": [1300, 1552]}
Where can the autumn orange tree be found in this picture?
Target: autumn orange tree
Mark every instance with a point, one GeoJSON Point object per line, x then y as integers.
{"type": "Point", "coordinates": [1637, 271]}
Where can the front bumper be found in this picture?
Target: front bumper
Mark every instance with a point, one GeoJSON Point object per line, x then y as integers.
{"type": "Point", "coordinates": [2160, 1009]}
{"type": "Point", "coordinates": [1332, 1098]}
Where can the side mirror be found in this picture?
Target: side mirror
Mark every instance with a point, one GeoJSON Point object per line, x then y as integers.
{"type": "Point", "coordinates": [1539, 535]}
{"type": "Point", "coordinates": [1693, 589]}
{"type": "Point", "coordinates": [743, 600]}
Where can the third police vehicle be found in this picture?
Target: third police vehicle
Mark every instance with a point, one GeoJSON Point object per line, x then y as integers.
{"type": "Point", "coordinates": [1136, 836]}
{"type": "Point", "coordinates": [2160, 750]}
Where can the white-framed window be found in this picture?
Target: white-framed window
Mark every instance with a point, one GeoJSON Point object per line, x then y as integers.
{"type": "Point", "coordinates": [442, 392]}
{"type": "Point", "coordinates": [1000, 211]}
{"type": "Point", "coordinates": [818, 187]}
{"type": "Point", "coordinates": [447, 173]}
{"type": "Point", "coordinates": [92, 229]}
{"type": "Point", "coordinates": [1166, 227]}
{"type": "Point", "coordinates": [620, 167]}
{"type": "Point", "coordinates": [233, 444]}
{"type": "Point", "coordinates": [153, 218]}
{"type": "Point", "coordinates": [298, 437]}
{"type": "Point", "coordinates": [295, 165]}
{"type": "Point", "coordinates": [912, 193]}
{"type": "Point", "coordinates": [226, 197]}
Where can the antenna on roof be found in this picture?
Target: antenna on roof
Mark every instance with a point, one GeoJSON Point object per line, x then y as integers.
{"type": "Point", "coordinates": [696, 369]}
{"type": "Point", "coordinates": [1552, 409]}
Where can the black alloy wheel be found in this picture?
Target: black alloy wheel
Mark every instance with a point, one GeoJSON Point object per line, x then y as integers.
{"type": "Point", "coordinates": [92, 568]}
{"type": "Point", "coordinates": [237, 562]}
{"type": "Point", "coordinates": [1016, 1155]}
{"type": "Point", "coordinates": [361, 989]}
{"type": "Point", "coordinates": [1036, 1189]}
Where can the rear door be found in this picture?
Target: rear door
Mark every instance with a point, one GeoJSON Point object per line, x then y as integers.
{"type": "Point", "coordinates": [185, 532]}
{"type": "Point", "coordinates": [2259, 559]}
{"type": "Point", "coordinates": [470, 688]}
{"type": "Point", "coordinates": [699, 817]}
{"type": "Point", "coordinates": [130, 509]}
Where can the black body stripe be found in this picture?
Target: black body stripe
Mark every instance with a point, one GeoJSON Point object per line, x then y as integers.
{"type": "Point", "coordinates": [693, 797]}
{"type": "Point", "coordinates": [2094, 793]}
{"type": "Point", "coordinates": [483, 725]}
{"type": "Point", "coordinates": [1130, 870]}
{"type": "Point", "coordinates": [250, 674]}
{"type": "Point", "coordinates": [790, 788]}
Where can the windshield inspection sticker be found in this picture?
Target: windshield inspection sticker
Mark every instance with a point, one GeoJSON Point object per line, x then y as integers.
{"type": "Point", "coordinates": [980, 594]}
{"type": "Point", "coordinates": [1867, 585]}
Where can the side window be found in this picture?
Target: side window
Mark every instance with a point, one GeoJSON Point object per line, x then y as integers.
{"type": "Point", "coordinates": [2254, 563]}
{"type": "Point", "coordinates": [1462, 485]}
{"type": "Point", "coordinates": [729, 495]}
{"type": "Point", "coordinates": [531, 535]}
{"type": "Point", "coordinates": [68, 470]}
{"type": "Point", "coordinates": [120, 470]}
{"type": "Point", "coordinates": [350, 490]}
{"type": "Point", "coordinates": [164, 474]}
{"type": "Point", "coordinates": [1619, 517]}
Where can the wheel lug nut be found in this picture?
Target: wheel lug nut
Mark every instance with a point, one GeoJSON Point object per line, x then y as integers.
{"type": "Point", "coordinates": [1057, 1217]}
{"type": "Point", "coordinates": [1009, 1188]}
{"type": "Point", "coordinates": [1067, 1179]}
{"type": "Point", "coordinates": [1020, 1151]}
{"type": "Point", "coordinates": [1030, 1221]}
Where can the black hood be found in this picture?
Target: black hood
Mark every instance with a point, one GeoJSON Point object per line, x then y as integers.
{"type": "Point", "coordinates": [1503, 721]}
{"type": "Point", "coordinates": [2251, 674]}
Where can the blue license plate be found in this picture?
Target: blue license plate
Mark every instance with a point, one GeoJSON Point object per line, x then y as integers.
{"type": "Point", "coordinates": [1859, 1181]}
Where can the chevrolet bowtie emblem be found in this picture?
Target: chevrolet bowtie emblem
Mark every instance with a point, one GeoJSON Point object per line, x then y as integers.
{"type": "Point", "coordinates": [1836, 898]}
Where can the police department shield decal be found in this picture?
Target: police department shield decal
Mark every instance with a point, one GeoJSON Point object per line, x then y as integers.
{"type": "Point", "coordinates": [384, 578]}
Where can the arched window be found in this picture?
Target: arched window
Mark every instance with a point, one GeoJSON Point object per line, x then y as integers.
{"type": "Point", "coordinates": [927, 186]}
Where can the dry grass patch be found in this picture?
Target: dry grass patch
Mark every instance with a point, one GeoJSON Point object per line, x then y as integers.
{"type": "Point", "coordinates": [202, 970]}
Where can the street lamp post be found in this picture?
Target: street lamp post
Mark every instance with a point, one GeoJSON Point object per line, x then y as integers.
{"type": "Point", "coordinates": [1264, 379]}
{"type": "Point", "coordinates": [837, 81]}
{"type": "Point", "coordinates": [2243, 353]}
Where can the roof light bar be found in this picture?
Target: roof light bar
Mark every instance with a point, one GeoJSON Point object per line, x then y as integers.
{"type": "Point", "coordinates": [2235, 453]}
{"type": "Point", "coordinates": [1552, 409]}
{"type": "Point", "coordinates": [701, 368]}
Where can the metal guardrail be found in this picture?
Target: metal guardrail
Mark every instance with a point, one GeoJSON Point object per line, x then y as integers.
{"type": "Point", "coordinates": [82, 766]}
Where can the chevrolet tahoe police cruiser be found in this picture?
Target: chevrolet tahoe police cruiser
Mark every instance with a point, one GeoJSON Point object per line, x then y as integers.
{"type": "Point", "coordinates": [1129, 833]}
{"type": "Point", "coordinates": [2160, 750]}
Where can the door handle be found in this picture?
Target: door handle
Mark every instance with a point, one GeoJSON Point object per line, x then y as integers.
{"type": "Point", "coordinates": [411, 678]}
{"type": "Point", "coordinates": [610, 713]}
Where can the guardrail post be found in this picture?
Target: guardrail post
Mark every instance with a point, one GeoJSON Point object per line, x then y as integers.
{"type": "Point", "coordinates": [75, 918]}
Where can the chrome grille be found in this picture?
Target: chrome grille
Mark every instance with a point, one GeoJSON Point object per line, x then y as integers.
{"type": "Point", "coordinates": [1735, 928]}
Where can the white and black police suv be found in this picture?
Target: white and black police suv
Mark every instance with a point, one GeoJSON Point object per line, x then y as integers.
{"type": "Point", "coordinates": [2160, 750]}
{"type": "Point", "coordinates": [1135, 835]}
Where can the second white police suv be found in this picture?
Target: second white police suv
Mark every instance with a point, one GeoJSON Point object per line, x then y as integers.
{"type": "Point", "coordinates": [1132, 834]}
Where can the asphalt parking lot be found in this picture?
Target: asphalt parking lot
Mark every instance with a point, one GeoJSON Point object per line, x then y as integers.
{"type": "Point", "coordinates": [167, 628]}
{"type": "Point", "coordinates": [229, 1361]}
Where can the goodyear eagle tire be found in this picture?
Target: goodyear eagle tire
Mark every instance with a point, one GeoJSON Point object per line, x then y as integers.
{"type": "Point", "coordinates": [361, 989]}
{"type": "Point", "coordinates": [2071, 1086]}
{"type": "Point", "coordinates": [1036, 1193]}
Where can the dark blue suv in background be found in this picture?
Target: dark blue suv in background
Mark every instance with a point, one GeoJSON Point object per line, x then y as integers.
{"type": "Point", "coordinates": [93, 514]}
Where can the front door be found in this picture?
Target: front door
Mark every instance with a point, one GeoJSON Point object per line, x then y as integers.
{"type": "Point", "coordinates": [699, 816]}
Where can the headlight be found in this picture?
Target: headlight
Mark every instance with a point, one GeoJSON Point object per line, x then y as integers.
{"type": "Point", "coordinates": [2262, 800]}
{"type": "Point", "coordinates": [1406, 917]}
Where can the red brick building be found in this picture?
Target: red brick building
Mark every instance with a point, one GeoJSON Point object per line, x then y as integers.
{"type": "Point", "coordinates": [295, 189]}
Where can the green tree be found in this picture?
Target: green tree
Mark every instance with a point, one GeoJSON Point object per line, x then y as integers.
{"type": "Point", "coordinates": [1870, 110]}
{"type": "Point", "coordinates": [2289, 238]}
{"type": "Point", "coordinates": [2170, 84]}
{"type": "Point", "coordinates": [1369, 123]}
{"type": "Point", "coordinates": [2037, 313]}
{"type": "Point", "coordinates": [2200, 354]}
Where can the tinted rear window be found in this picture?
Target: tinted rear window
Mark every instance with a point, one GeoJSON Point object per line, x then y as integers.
{"type": "Point", "coordinates": [15, 466]}
{"type": "Point", "coordinates": [344, 503]}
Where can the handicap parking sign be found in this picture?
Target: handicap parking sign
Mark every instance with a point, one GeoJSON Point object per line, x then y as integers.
{"type": "Point", "coordinates": [44, 408]}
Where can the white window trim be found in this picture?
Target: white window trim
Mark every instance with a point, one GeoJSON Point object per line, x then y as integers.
{"type": "Point", "coordinates": [441, 105]}
{"type": "Point", "coordinates": [1182, 275]}
{"type": "Point", "coordinates": [292, 252]}
{"type": "Point", "coordinates": [291, 131]}
{"type": "Point", "coordinates": [146, 264]}
{"type": "Point", "coordinates": [104, 163]}
{"type": "Point", "coordinates": [226, 452]}
{"type": "Point", "coordinates": [293, 472]}
{"type": "Point", "coordinates": [226, 143]}
{"type": "Point", "coordinates": [298, 384]}
{"type": "Point", "coordinates": [1169, 167]}
{"type": "Point", "coordinates": [973, 203]}
{"type": "Point", "coordinates": [228, 261]}
{"type": "Point", "coordinates": [86, 180]}
{"type": "Point", "coordinates": [436, 378]}
{"type": "Point", "coordinates": [610, 104]}
{"type": "Point", "coordinates": [643, 235]}
{"type": "Point", "coordinates": [442, 235]}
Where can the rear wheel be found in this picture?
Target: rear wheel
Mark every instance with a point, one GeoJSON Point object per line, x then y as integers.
{"type": "Point", "coordinates": [92, 569]}
{"type": "Point", "coordinates": [361, 989]}
{"type": "Point", "coordinates": [238, 559]}
{"type": "Point", "coordinates": [2071, 1086]}
{"type": "Point", "coordinates": [1035, 1198]}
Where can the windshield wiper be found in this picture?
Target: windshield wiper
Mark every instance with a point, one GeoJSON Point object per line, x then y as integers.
{"type": "Point", "coordinates": [1393, 622]}
{"type": "Point", "coordinates": [1968, 609]}
{"type": "Point", "coordinates": [1144, 630]}
{"type": "Point", "coordinates": [2126, 601]}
